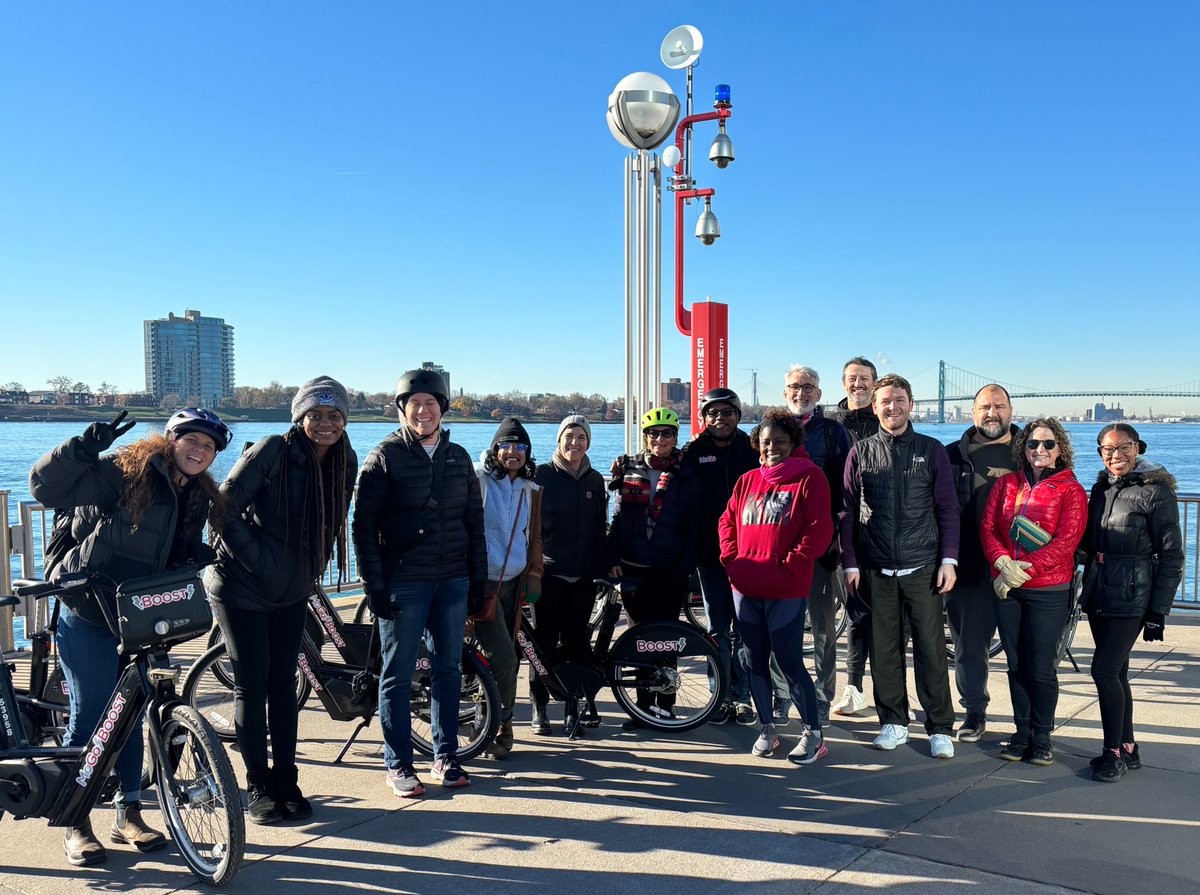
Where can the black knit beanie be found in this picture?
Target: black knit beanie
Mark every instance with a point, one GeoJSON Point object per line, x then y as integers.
{"type": "Point", "coordinates": [510, 430]}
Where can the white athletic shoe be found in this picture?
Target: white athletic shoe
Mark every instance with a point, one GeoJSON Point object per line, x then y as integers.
{"type": "Point", "coordinates": [891, 736]}
{"type": "Point", "coordinates": [851, 702]}
{"type": "Point", "coordinates": [941, 746]}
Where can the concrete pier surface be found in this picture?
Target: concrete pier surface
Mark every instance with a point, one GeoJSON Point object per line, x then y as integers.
{"type": "Point", "coordinates": [697, 813]}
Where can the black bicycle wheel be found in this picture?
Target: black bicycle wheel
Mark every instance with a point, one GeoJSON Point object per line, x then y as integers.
{"type": "Point", "coordinates": [362, 613]}
{"type": "Point", "coordinates": [693, 611]}
{"type": "Point", "coordinates": [478, 707]}
{"type": "Point", "coordinates": [208, 688]}
{"type": "Point", "coordinates": [671, 663]}
{"type": "Point", "coordinates": [199, 797]}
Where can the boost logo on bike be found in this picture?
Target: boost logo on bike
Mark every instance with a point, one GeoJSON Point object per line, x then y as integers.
{"type": "Point", "coordinates": [100, 740]}
{"type": "Point", "coordinates": [662, 646]}
{"type": "Point", "coordinates": [174, 596]}
{"type": "Point", "coordinates": [326, 622]}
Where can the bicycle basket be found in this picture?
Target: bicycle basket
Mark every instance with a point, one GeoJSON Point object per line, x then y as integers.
{"type": "Point", "coordinates": [160, 610]}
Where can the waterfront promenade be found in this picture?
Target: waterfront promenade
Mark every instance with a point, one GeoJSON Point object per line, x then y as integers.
{"type": "Point", "coordinates": [630, 812]}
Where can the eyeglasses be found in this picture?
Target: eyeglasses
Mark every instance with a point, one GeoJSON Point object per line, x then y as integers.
{"type": "Point", "coordinates": [1128, 448]}
{"type": "Point", "coordinates": [512, 446]}
{"type": "Point", "coordinates": [722, 413]}
{"type": "Point", "coordinates": [808, 388]}
{"type": "Point", "coordinates": [1048, 443]}
{"type": "Point", "coordinates": [660, 433]}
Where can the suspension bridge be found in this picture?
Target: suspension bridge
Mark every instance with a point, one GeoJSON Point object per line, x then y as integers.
{"type": "Point", "coordinates": [955, 385]}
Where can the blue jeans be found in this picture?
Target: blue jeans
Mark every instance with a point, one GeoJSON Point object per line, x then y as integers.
{"type": "Point", "coordinates": [438, 611]}
{"type": "Point", "coordinates": [89, 657]}
{"type": "Point", "coordinates": [718, 607]}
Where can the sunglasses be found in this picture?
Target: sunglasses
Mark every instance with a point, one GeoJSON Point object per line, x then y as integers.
{"type": "Point", "coordinates": [1048, 443]}
{"type": "Point", "coordinates": [721, 414]}
{"type": "Point", "coordinates": [513, 446]}
{"type": "Point", "coordinates": [660, 433]}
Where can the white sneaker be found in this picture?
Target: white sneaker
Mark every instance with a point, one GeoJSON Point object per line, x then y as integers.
{"type": "Point", "coordinates": [851, 702]}
{"type": "Point", "coordinates": [893, 735]}
{"type": "Point", "coordinates": [941, 746]}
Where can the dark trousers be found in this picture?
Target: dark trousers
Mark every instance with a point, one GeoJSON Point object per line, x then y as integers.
{"type": "Point", "coordinates": [776, 627]}
{"type": "Point", "coordinates": [858, 647]}
{"type": "Point", "coordinates": [718, 608]}
{"type": "Point", "coordinates": [1031, 623]}
{"type": "Point", "coordinates": [562, 616]}
{"type": "Point", "coordinates": [971, 611]}
{"type": "Point", "coordinates": [650, 595]}
{"type": "Point", "coordinates": [914, 599]}
{"type": "Point", "coordinates": [263, 647]}
{"type": "Point", "coordinates": [1114, 638]}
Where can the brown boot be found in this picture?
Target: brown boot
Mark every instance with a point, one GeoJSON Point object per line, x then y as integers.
{"type": "Point", "coordinates": [130, 829]}
{"type": "Point", "coordinates": [503, 743]}
{"type": "Point", "coordinates": [82, 847]}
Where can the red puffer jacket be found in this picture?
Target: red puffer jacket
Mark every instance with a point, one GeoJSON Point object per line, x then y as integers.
{"type": "Point", "coordinates": [1057, 503]}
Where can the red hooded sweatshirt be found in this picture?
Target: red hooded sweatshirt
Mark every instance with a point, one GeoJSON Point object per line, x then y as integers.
{"type": "Point", "coordinates": [775, 527]}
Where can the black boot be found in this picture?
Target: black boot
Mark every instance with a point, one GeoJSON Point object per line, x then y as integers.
{"type": "Point", "coordinates": [260, 800]}
{"type": "Point", "coordinates": [130, 829]}
{"type": "Point", "coordinates": [288, 798]}
{"type": "Point", "coordinates": [539, 724]}
{"type": "Point", "coordinates": [82, 847]}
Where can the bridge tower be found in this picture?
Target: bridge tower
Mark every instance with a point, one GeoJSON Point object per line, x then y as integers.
{"type": "Point", "coordinates": [941, 391]}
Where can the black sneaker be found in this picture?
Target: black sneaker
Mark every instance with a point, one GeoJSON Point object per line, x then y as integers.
{"type": "Point", "coordinates": [1111, 768]}
{"type": "Point", "coordinates": [723, 714]}
{"type": "Point", "coordinates": [1133, 760]}
{"type": "Point", "coordinates": [261, 807]}
{"type": "Point", "coordinates": [1016, 750]}
{"type": "Point", "coordinates": [1042, 756]}
{"type": "Point", "coordinates": [447, 772]}
{"type": "Point", "coordinates": [973, 728]}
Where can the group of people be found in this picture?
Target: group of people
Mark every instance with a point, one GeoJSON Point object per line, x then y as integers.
{"type": "Point", "coordinates": [772, 522]}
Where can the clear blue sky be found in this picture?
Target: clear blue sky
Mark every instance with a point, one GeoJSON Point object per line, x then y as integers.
{"type": "Point", "coordinates": [357, 187]}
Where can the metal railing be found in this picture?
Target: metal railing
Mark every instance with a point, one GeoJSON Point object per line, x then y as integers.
{"type": "Point", "coordinates": [28, 538]}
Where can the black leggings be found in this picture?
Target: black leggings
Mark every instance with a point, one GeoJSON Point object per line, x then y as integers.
{"type": "Point", "coordinates": [562, 626]}
{"type": "Point", "coordinates": [263, 647]}
{"type": "Point", "coordinates": [1114, 638]}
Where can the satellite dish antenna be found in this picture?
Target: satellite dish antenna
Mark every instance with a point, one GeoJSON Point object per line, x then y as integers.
{"type": "Point", "coordinates": [681, 47]}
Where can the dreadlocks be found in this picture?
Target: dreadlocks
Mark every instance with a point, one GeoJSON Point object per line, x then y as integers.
{"type": "Point", "coordinates": [323, 514]}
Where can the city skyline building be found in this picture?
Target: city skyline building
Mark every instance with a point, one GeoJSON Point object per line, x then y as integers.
{"type": "Point", "coordinates": [439, 369]}
{"type": "Point", "coordinates": [190, 357]}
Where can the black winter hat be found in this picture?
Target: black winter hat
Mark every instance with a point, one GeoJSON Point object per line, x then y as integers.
{"type": "Point", "coordinates": [510, 430]}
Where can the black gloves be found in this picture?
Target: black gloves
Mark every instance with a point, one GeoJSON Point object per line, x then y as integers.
{"type": "Point", "coordinates": [99, 437]}
{"type": "Point", "coordinates": [380, 602]}
{"type": "Point", "coordinates": [1152, 626]}
{"type": "Point", "coordinates": [476, 592]}
{"type": "Point", "coordinates": [618, 472]}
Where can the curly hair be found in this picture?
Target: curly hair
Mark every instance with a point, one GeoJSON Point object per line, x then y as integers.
{"type": "Point", "coordinates": [491, 464]}
{"type": "Point", "coordinates": [143, 487]}
{"type": "Point", "coordinates": [780, 419]}
{"type": "Point", "coordinates": [1066, 455]}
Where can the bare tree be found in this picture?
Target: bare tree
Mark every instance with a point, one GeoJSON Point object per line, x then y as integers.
{"type": "Point", "coordinates": [169, 403]}
{"type": "Point", "coordinates": [61, 384]}
{"type": "Point", "coordinates": [13, 387]}
{"type": "Point", "coordinates": [81, 388]}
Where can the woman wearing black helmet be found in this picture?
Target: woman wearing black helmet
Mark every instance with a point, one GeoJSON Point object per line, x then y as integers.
{"type": "Point", "coordinates": [136, 512]}
{"type": "Point", "coordinates": [419, 535]}
{"type": "Point", "coordinates": [1135, 562]}
{"type": "Point", "coordinates": [285, 515]}
{"type": "Point", "coordinates": [651, 543]}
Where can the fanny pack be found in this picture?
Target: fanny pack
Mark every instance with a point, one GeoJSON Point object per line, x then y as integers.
{"type": "Point", "coordinates": [160, 610]}
{"type": "Point", "coordinates": [1028, 535]}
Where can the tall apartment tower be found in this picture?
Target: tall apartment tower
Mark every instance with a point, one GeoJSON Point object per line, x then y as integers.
{"type": "Point", "coordinates": [189, 356]}
{"type": "Point", "coordinates": [438, 368]}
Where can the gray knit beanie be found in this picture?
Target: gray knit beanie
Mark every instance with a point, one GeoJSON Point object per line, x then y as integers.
{"type": "Point", "coordinates": [324, 391]}
{"type": "Point", "coordinates": [574, 420]}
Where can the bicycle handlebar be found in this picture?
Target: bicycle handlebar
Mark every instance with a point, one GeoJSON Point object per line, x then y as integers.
{"type": "Point", "coordinates": [36, 588]}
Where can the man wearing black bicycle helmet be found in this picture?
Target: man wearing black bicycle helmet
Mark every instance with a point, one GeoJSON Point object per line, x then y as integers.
{"type": "Point", "coordinates": [720, 455]}
{"type": "Point", "coordinates": [419, 535]}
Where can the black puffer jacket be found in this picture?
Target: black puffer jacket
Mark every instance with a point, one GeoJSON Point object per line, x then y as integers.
{"type": "Point", "coordinates": [259, 566]}
{"type": "Point", "coordinates": [574, 522]}
{"type": "Point", "coordinates": [673, 542]}
{"type": "Point", "coordinates": [899, 510]}
{"type": "Point", "coordinates": [398, 534]}
{"type": "Point", "coordinates": [107, 544]}
{"type": "Point", "coordinates": [860, 423]}
{"type": "Point", "coordinates": [1133, 544]}
{"type": "Point", "coordinates": [717, 470]}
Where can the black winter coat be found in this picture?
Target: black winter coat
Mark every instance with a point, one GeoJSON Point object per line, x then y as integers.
{"type": "Point", "coordinates": [860, 423]}
{"type": "Point", "coordinates": [259, 566]}
{"type": "Point", "coordinates": [402, 530]}
{"type": "Point", "coordinates": [717, 470]}
{"type": "Point", "coordinates": [1133, 544]}
{"type": "Point", "coordinates": [973, 567]}
{"type": "Point", "coordinates": [574, 522]}
{"type": "Point", "coordinates": [673, 544]}
{"type": "Point", "coordinates": [107, 544]}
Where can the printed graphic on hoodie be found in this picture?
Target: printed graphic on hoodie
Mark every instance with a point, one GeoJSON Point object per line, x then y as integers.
{"type": "Point", "coordinates": [772, 508]}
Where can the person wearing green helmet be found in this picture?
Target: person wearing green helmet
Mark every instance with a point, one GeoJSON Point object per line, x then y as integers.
{"type": "Point", "coordinates": [652, 541]}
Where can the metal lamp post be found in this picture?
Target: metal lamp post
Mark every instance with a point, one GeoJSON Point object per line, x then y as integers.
{"type": "Point", "coordinates": [642, 111]}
